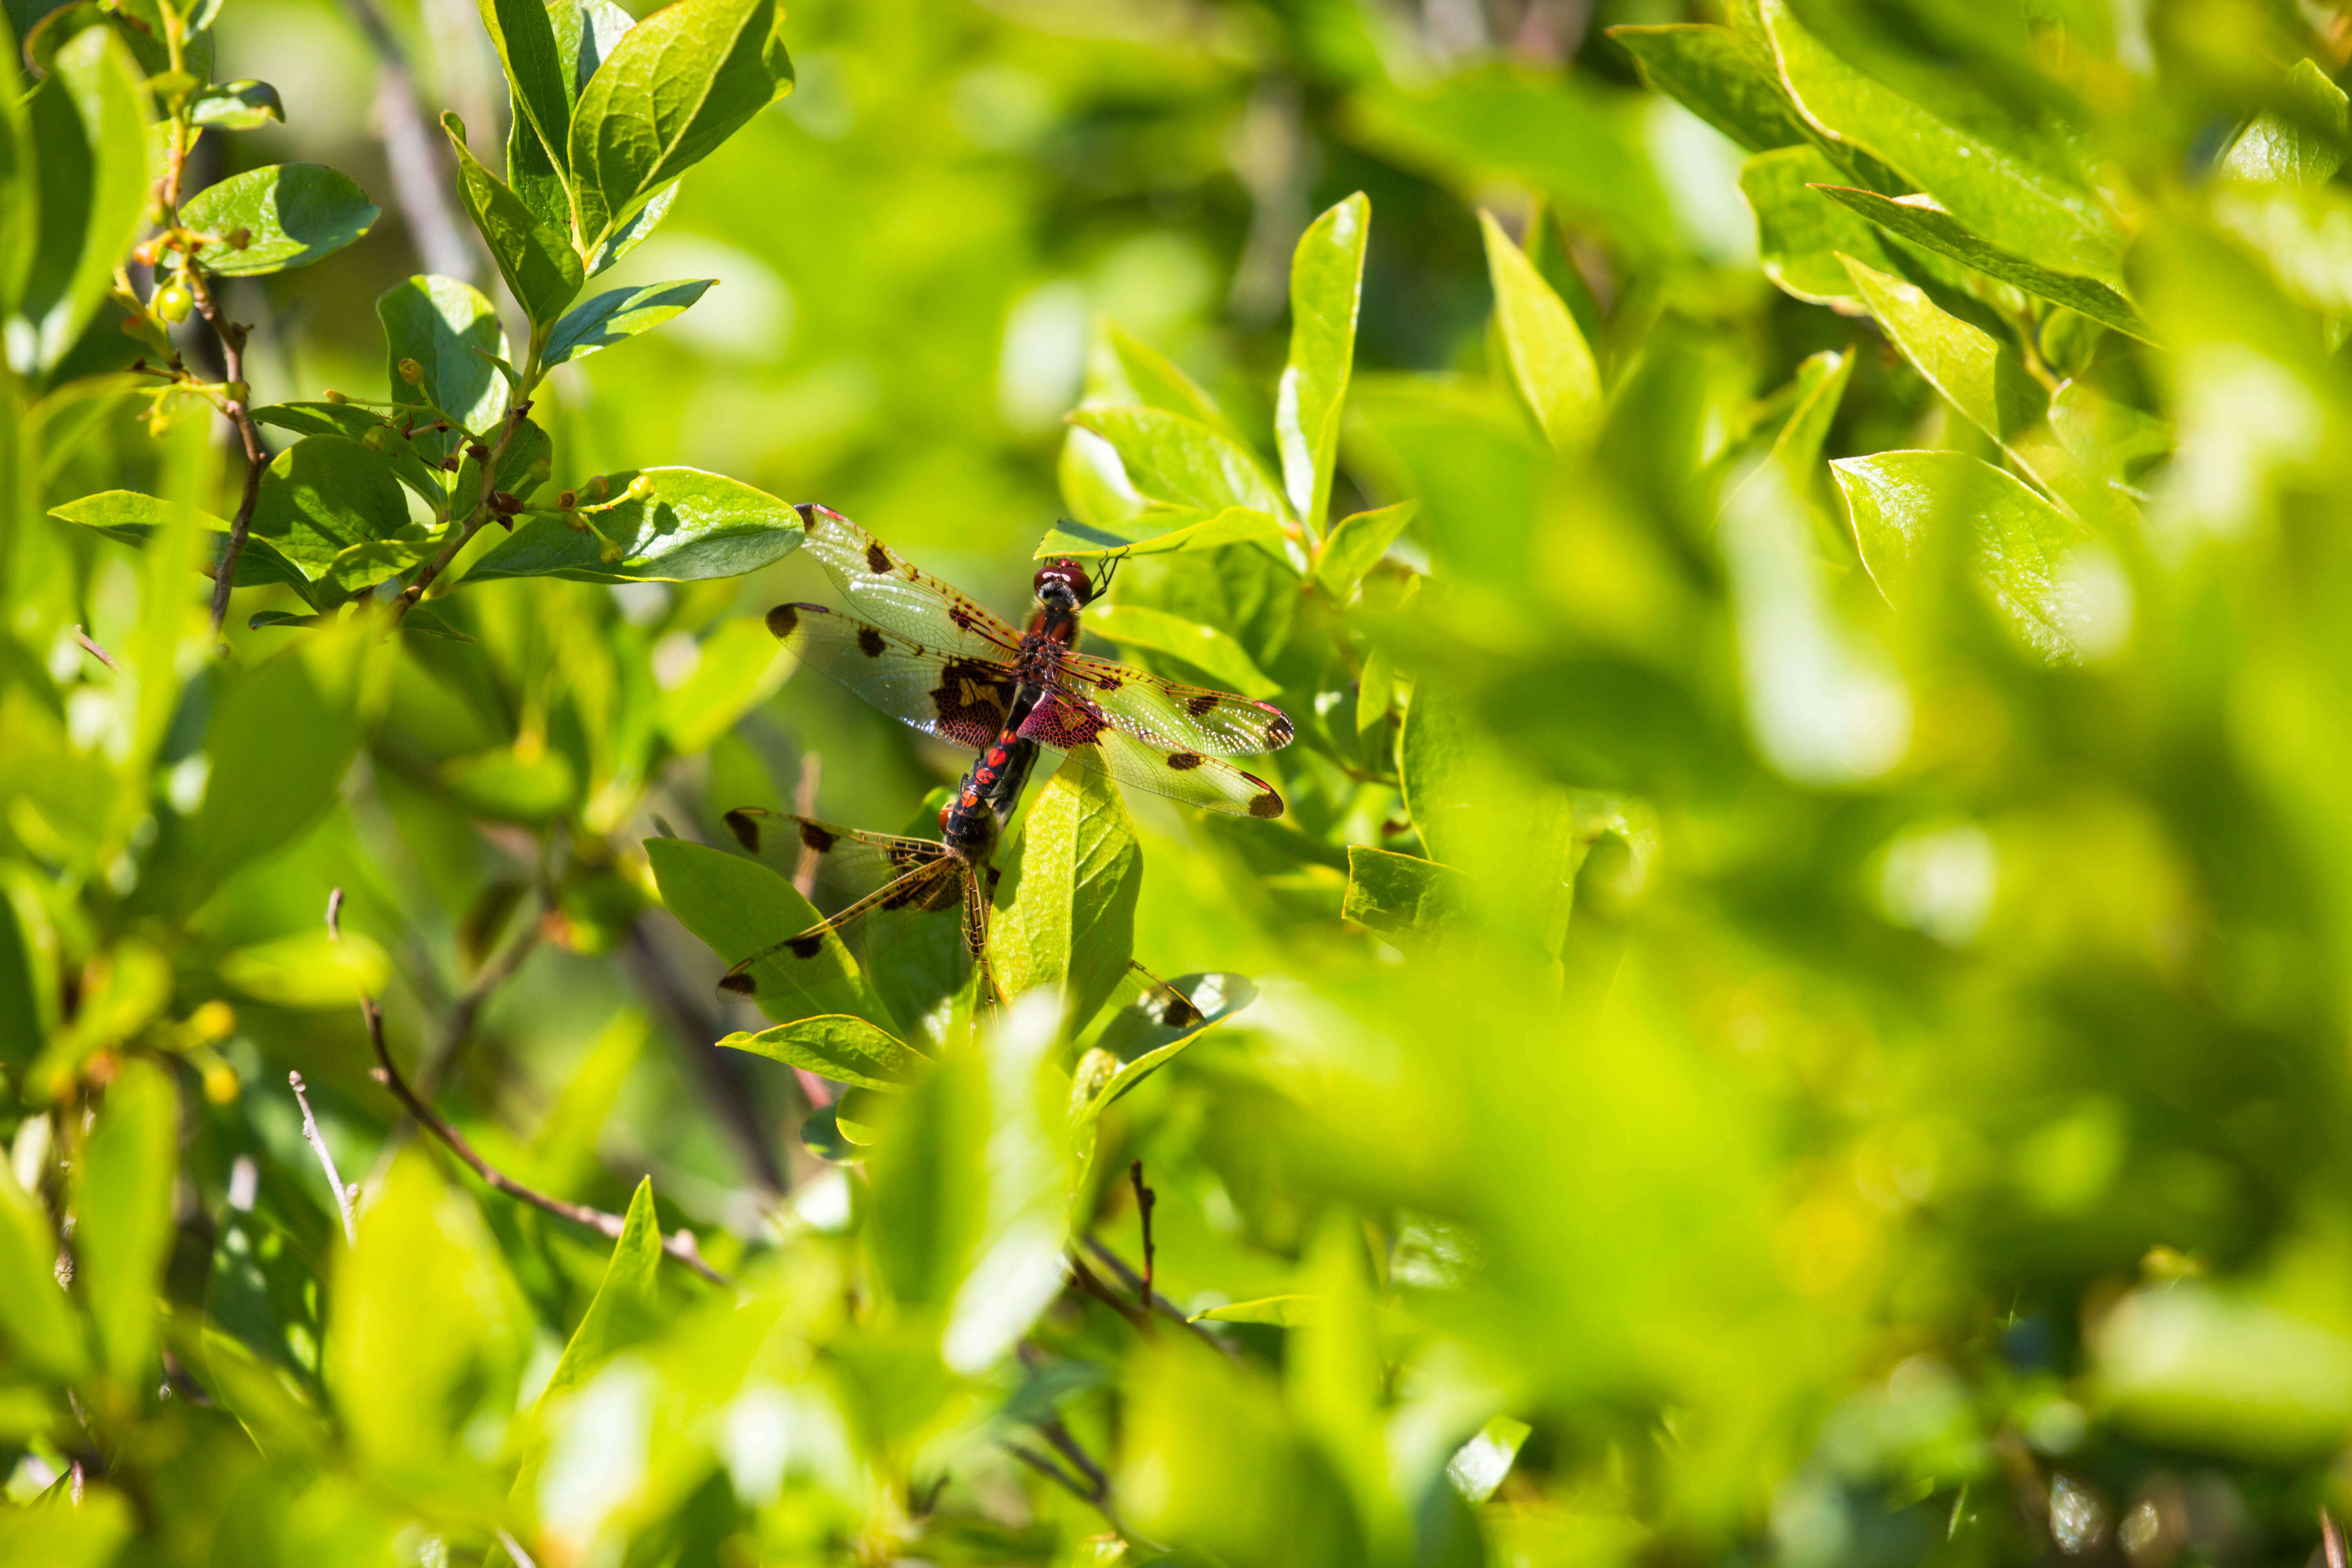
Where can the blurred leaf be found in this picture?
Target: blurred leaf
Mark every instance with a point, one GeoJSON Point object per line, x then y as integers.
{"type": "Point", "coordinates": [513, 784]}
{"type": "Point", "coordinates": [617, 316]}
{"type": "Point", "coordinates": [538, 264]}
{"type": "Point", "coordinates": [1705, 70]}
{"type": "Point", "coordinates": [566, 1142]}
{"type": "Point", "coordinates": [1432, 768]}
{"type": "Point", "coordinates": [2195, 1367]}
{"type": "Point", "coordinates": [690, 525]}
{"type": "Point", "coordinates": [2047, 575]}
{"type": "Point", "coordinates": [279, 745]}
{"type": "Point", "coordinates": [739, 907]}
{"type": "Point", "coordinates": [88, 128]}
{"type": "Point", "coordinates": [930, 1183]}
{"type": "Point", "coordinates": [262, 1397]}
{"type": "Point", "coordinates": [120, 994]}
{"type": "Point", "coordinates": [446, 327]}
{"type": "Point", "coordinates": [1181, 461]}
{"type": "Point", "coordinates": [123, 1202]}
{"type": "Point", "coordinates": [2002, 179]}
{"type": "Point", "coordinates": [1355, 545]}
{"type": "Point", "coordinates": [1161, 530]}
{"type": "Point", "coordinates": [1802, 234]}
{"type": "Point", "coordinates": [44, 1332]}
{"type": "Point", "coordinates": [2302, 142]}
{"type": "Point", "coordinates": [1479, 1465]}
{"type": "Point", "coordinates": [423, 1390]}
{"type": "Point", "coordinates": [681, 82]}
{"type": "Point", "coordinates": [1982, 378]}
{"type": "Point", "coordinates": [1070, 919]}
{"type": "Point", "coordinates": [287, 215]}
{"type": "Point", "coordinates": [623, 1311]}
{"type": "Point", "coordinates": [740, 667]}
{"type": "Point", "coordinates": [1551, 362]}
{"type": "Point", "coordinates": [2298, 231]}
{"type": "Point", "coordinates": [61, 1532]}
{"type": "Point", "coordinates": [844, 1049]}
{"type": "Point", "coordinates": [236, 106]}
{"type": "Point", "coordinates": [1326, 285]}
{"type": "Point", "coordinates": [1206, 648]}
{"type": "Point", "coordinates": [1399, 896]}
{"type": "Point", "coordinates": [129, 517]}
{"type": "Point", "coordinates": [20, 187]}
{"type": "Point", "coordinates": [1017, 1268]}
{"type": "Point", "coordinates": [1282, 1311]}
{"type": "Point", "coordinates": [308, 970]}
{"type": "Point", "coordinates": [1919, 220]}
{"type": "Point", "coordinates": [1139, 373]}
{"type": "Point", "coordinates": [1334, 1377]}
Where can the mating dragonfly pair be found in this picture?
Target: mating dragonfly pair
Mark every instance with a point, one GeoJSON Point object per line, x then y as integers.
{"type": "Point", "coordinates": [945, 664]}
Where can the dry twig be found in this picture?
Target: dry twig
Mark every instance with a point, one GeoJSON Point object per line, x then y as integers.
{"type": "Point", "coordinates": [311, 1135]}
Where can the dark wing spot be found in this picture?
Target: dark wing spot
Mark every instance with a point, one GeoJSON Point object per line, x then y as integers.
{"type": "Point", "coordinates": [1277, 730]}
{"type": "Point", "coordinates": [870, 643]}
{"type": "Point", "coordinates": [961, 615]}
{"type": "Point", "coordinates": [815, 837]}
{"type": "Point", "coordinates": [1266, 804]}
{"type": "Point", "coordinates": [740, 983]}
{"type": "Point", "coordinates": [970, 702]}
{"type": "Point", "coordinates": [785, 619]}
{"type": "Point", "coordinates": [1181, 1014]}
{"type": "Point", "coordinates": [745, 829]}
{"type": "Point", "coordinates": [1063, 721]}
{"type": "Point", "coordinates": [877, 558]}
{"type": "Point", "coordinates": [808, 516]}
{"type": "Point", "coordinates": [1109, 683]}
{"type": "Point", "coordinates": [805, 946]}
{"type": "Point", "coordinates": [1201, 707]}
{"type": "Point", "coordinates": [1183, 762]}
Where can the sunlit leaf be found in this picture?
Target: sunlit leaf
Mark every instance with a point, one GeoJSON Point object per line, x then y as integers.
{"type": "Point", "coordinates": [122, 1198]}
{"type": "Point", "coordinates": [537, 263]}
{"type": "Point", "coordinates": [617, 316]}
{"type": "Point", "coordinates": [844, 1049]}
{"type": "Point", "coordinates": [1549, 359]}
{"type": "Point", "coordinates": [274, 220]}
{"type": "Point", "coordinates": [682, 526]}
{"type": "Point", "coordinates": [1327, 280]}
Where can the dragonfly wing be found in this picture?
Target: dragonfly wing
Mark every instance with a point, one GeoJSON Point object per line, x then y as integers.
{"type": "Point", "coordinates": [1170, 714]}
{"type": "Point", "coordinates": [958, 698]}
{"type": "Point", "coordinates": [856, 863]}
{"type": "Point", "coordinates": [1083, 729]}
{"type": "Point", "coordinates": [900, 596]}
{"type": "Point", "coordinates": [931, 887]}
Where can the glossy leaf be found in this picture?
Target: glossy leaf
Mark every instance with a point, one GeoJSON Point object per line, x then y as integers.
{"type": "Point", "coordinates": [623, 1311]}
{"type": "Point", "coordinates": [1295, 1312]}
{"type": "Point", "coordinates": [739, 907]}
{"type": "Point", "coordinates": [1182, 462]}
{"type": "Point", "coordinates": [1069, 920]}
{"type": "Point", "coordinates": [1212, 652]}
{"type": "Point", "coordinates": [621, 314]}
{"type": "Point", "coordinates": [1801, 234]}
{"type": "Point", "coordinates": [1977, 375]}
{"type": "Point", "coordinates": [844, 1049]}
{"type": "Point", "coordinates": [537, 263]}
{"type": "Point", "coordinates": [236, 106]}
{"type": "Point", "coordinates": [1704, 68]}
{"type": "Point", "coordinates": [1402, 897]}
{"type": "Point", "coordinates": [278, 218]}
{"type": "Point", "coordinates": [447, 328]}
{"type": "Point", "coordinates": [118, 513]}
{"type": "Point", "coordinates": [1550, 361]}
{"type": "Point", "coordinates": [2301, 141]}
{"type": "Point", "coordinates": [691, 525]}
{"type": "Point", "coordinates": [1326, 285]}
{"type": "Point", "coordinates": [324, 495]}
{"type": "Point", "coordinates": [1355, 546]}
{"type": "Point", "coordinates": [88, 128]}
{"type": "Point", "coordinates": [122, 1201]}
{"type": "Point", "coordinates": [1919, 220]}
{"type": "Point", "coordinates": [1160, 532]}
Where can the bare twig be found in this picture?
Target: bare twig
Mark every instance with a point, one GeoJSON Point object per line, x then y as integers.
{"type": "Point", "coordinates": [418, 163]}
{"type": "Point", "coordinates": [513, 1548]}
{"type": "Point", "coordinates": [1144, 1198]}
{"type": "Point", "coordinates": [2331, 1539]}
{"type": "Point", "coordinates": [602, 1221]}
{"type": "Point", "coordinates": [95, 651]}
{"type": "Point", "coordinates": [236, 404]}
{"type": "Point", "coordinates": [1159, 1304]}
{"type": "Point", "coordinates": [311, 1135]}
{"type": "Point", "coordinates": [1086, 1280]}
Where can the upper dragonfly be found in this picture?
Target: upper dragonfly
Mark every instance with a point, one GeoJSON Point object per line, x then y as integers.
{"type": "Point", "coordinates": [948, 665]}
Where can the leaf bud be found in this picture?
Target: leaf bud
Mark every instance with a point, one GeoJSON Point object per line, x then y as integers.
{"type": "Point", "coordinates": [567, 499]}
{"type": "Point", "coordinates": [412, 372]}
{"type": "Point", "coordinates": [334, 397]}
{"type": "Point", "coordinates": [597, 489]}
{"type": "Point", "coordinates": [639, 488]}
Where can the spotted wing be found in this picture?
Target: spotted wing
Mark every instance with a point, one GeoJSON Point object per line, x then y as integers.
{"type": "Point", "coordinates": [1146, 1021]}
{"type": "Point", "coordinates": [1081, 727]}
{"type": "Point", "coordinates": [900, 596]}
{"type": "Point", "coordinates": [844, 857]}
{"type": "Point", "coordinates": [1170, 714]}
{"type": "Point", "coordinates": [954, 696]}
{"type": "Point", "coordinates": [935, 886]}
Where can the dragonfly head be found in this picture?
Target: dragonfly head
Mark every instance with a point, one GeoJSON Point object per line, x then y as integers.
{"type": "Point", "coordinates": [1064, 586]}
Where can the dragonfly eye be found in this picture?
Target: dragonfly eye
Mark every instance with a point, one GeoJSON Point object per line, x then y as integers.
{"type": "Point", "coordinates": [1064, 585]}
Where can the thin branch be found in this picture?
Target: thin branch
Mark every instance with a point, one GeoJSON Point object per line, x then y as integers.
{"type": "Point", "coordinates": [95, 651]}
{"type": "Point", "coordinates": [602, 1221]}
{"type": "Point", "coordinates": [2332, 1539]}
{"type": "Point", "coordinates": [1144, 1198]}
{"type": "Point", "coordinates": [420, 172]}
{"type": "Point", "coordinates": [458, 1031]}
{"type": "Point", "coordinates": [479, 515]}
{"type": "Point", "coordinates": [513, 1548]}
{"type": "Point", "coordinates": [1086, 1280]}
{"type": "Point", "coordinates": [236, 404]}
{"type": "Point", "coordinates": [317, 1142]}
{"type": "Point", "coordinates": [1160, 1304]}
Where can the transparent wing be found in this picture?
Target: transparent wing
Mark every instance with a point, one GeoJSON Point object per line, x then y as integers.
{"type": "Point", "coordinates": [855, 862]}
{"type": "Point", "coordinates": [1148, 1021]}
{"type": "Point", "coordinates": [957, 698]}
{"type": "Point", "coordinates": [1170, 714]}
{"type": "Point", "coordinates": [935, 886]}
{"type": "Point", "coordinates": [900, 596]}
{"type": "Point", "coordinates": [1092, 738]}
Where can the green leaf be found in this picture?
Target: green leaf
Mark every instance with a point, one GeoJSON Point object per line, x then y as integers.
{"type": "Point", "coordinates": [428, 483]}
{"type": "Point", "coordinates": [287, 215]}
{"type": "Point", "coordinates": [122, 1201]}
{"type": "Point", "coordinates": [1327, 286]}
{"type": "Point", "coordinates": [2301, 141]}
{"type": "Point", "coordinates": [740, 907]}
{"type": "Point", "coordinates": [1282, 1311]}
{"type": "Point", "coordinates": [691, 525]}
{"type": "Point", "coordinates": [1924, 224]}
{"type": "Point", "coordinates": [41, 1328]}
{"type": "Point", "coordinates": [550, 49]}
{"type": "Point", "coordinates": [1400, 895]}
{"type": "Point", "coordinates": [507, 784]}
{"type": "Point", "coordinates": [265, 1399]}
{"type": "Point", "coordinates": [1705, 70]}
{"type": "Point", "coordinates": [612, 318]}
{"type": "Point", "coordinates": [308, 969]}
{"type": "Point", "coordinates": [323, 495]}
{"type": "Point", "coordinates": [2002, 179]}
{"type": "Point", "coordinates": [58, 1533]}
{"type": "Point", "coordinates": [1162, 530]}
{"type": "Point", "coordinates": [1070, 921]}
{"type": "Point", "coordinates": [88, 128]}
{"type": "Point", "coordinates": [2298, 232]}
{"type": "Point", "coordinates": [930, 1182]}
{"type": "Point", "coordinates": [1977, 375]}
{"type": "Point", "coordinates": [236, 106]}
{"type": "Point", "coordinates": [20, 184]}
{"type": "Point", "coordinates": [1478, 1466]}
{"type": "Point", "coordinates": [739, 667]}
{"type": "Point", "coordinates": [1183, 462]}
{"type": "Point", "coordinates": [121, 995]}
{"type": "Point", "coordinates": [1134, 1034]}
{"type": "Point", "coordinates": [844, 1049]}
{"type": "Point", "coordinates": [117, 513]}
{"type": "Point", "coordinates": [538, 264]}
{"type": "Point", "coordinates": [2046, 574]}
{"type": "Point", "coordinates": [1213, 652]}
{"type": "Point", "coordinates": [1801, 233]}
{"type": "Point", "coordinates": [681, 82]}
{"type": "Point", "coordinates": [1122, 369]}
{"type": "Point", "coordinates": [623, 1310]}
{"type": "Point", "coordinates": [2206, 1367]}
{"type": "Point", "coordinates": [280, 743]}
{"type": "Point", "coordinates": [446, 327]}
{"type": "Point", "coordinates": [1549, 359]}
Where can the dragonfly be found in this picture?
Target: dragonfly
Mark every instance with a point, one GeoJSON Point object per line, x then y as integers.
{"type": "Point", "coordinates": [951, 667]}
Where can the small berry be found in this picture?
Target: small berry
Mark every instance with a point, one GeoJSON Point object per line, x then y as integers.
{"type": "Point", "coordinates": [172, 302]}
{"type": "Point", "coordinates": [412, 372]}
